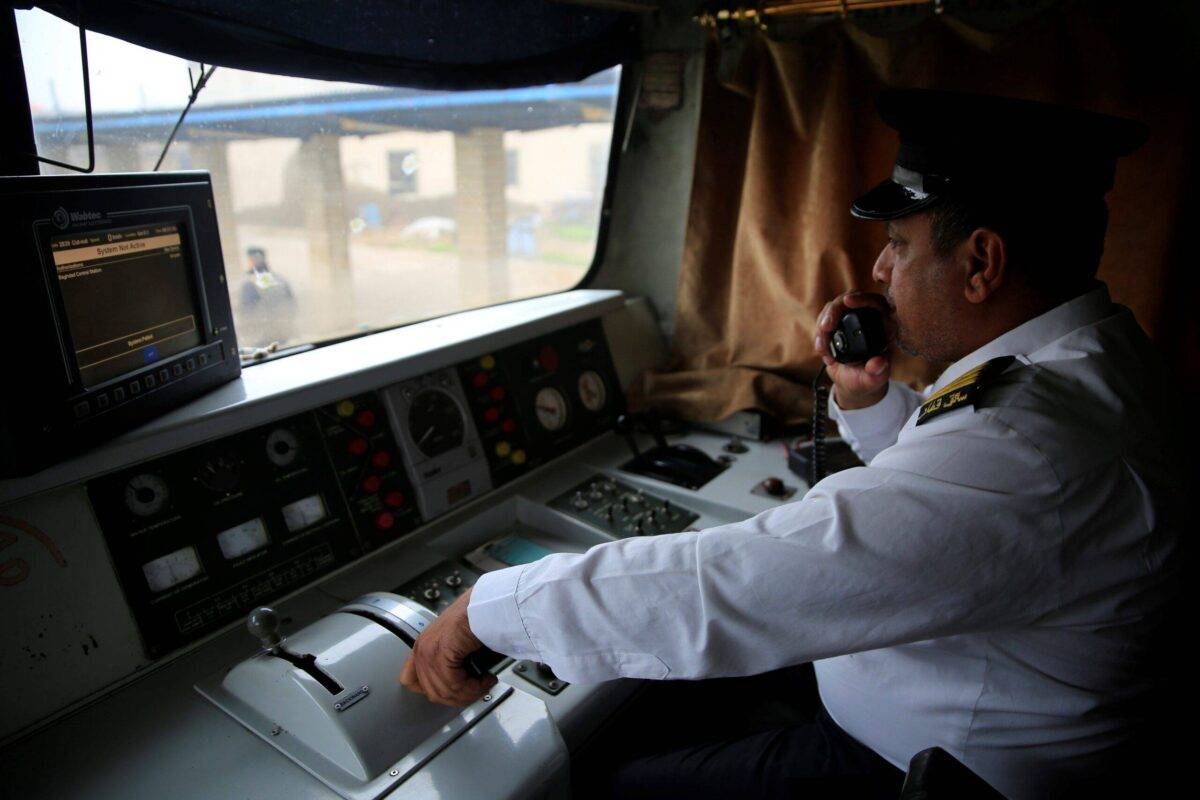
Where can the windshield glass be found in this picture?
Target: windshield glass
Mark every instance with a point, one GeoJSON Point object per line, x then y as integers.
{"type": "Point", "coordinates": [345, 208]}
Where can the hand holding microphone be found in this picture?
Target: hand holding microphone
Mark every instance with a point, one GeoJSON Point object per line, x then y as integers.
{"type": "Point", "coordinates": [852, 339]}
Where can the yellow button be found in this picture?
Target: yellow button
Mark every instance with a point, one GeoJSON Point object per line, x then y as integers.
{"type": "Point", "coordinates": [345, 408]}
{"type": "Point", "coordinates": [503, 449]}
{"type": "Point", "coordinates": [488, 362]}
{"type": "Point", "coordinates": [518, 457]}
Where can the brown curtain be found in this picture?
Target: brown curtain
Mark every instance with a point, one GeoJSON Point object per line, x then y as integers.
{"type": "Point", "coordinates": [790, 136]}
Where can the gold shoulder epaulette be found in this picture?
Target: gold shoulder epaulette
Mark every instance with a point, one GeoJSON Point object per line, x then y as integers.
{"type": "Point", "coordinates": [965, 389]}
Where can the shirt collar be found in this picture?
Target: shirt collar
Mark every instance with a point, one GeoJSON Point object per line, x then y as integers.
{"type": "Point", "coordinates": [1034, 334]}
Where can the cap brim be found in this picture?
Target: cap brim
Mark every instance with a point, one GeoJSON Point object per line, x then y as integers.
{"type": "Point", "coordinates": [890, 200]}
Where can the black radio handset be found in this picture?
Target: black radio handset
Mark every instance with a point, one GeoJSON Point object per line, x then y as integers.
{"type": "Point", "coordinates": [860, 335]}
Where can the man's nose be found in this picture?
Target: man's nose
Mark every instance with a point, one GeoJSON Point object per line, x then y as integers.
{"type": "Point", "coordinates": [882, 271]}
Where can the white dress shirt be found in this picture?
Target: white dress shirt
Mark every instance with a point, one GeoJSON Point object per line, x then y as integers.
{"type": "Point", "coordinates": [985, 584]}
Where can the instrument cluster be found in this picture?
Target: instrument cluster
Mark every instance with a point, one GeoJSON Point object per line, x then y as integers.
{"type": "Point", "coordinates": [202, 536]}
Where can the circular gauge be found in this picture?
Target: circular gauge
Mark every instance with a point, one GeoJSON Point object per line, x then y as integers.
{"type": "Point", "coordinates": [221, 473]}
{"type": "Point", "coordinates": [146, 494]}
{"type": "Point", "coordinates": [283, 448]}
{"type": "Point", "coordinates": [551, 408]}
{"type": "Point", "coordinates": [592, 391]}
{"type": "Point", "coordinates": [435, 422]}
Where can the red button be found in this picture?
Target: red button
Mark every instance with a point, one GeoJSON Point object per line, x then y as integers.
{"type": "Point", "coordinates": [394, 498]}
{"type": "Point", "coordinates": [492, 414]}
{"type": "Point", "coordinates": [548, 358]}
{"type": "Point", "coordinates": [371, 484]}
{"type": "Point", "coordinates": [384, 520]}
{"type": "Point", "coordinates": [480, 380]}
{"type": "Point", "coordinates": [357, 447]}
{"type": "Point", "coordinates": [381, 459]}
{"type": "Point", "coordinates": [498, 393]}
{"type": "Point", "coordinates": [366, 418]}
{"type": "Point", "coordinates": [508, 426]}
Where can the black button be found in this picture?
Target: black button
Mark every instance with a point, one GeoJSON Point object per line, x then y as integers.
{"type": "Point", "coordinates": [151, 382]}
{"type": "Point", "coordinates": [190, 364]}
{"type": "Point", "coordinates": [119, 395]}
{"type": "Point", "coordinates": [203, 359]}
{"type": "Point", "coordinates": [135, 387]}
{"type": "Point", "coordinates": [177, 369]}
{"type": "Point", "coordinates": [164, 375]}
{"type": "Point", "coordinates": [82, 409]}
{"type": "Point", "coordinates": [101, 402]}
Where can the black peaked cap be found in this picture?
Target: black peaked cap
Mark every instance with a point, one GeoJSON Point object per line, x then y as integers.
{"type": "Point", "coordinates": [994, 148]}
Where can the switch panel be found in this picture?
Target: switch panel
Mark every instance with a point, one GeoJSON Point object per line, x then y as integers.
{"type": "Point", "coordinates": [440, 586]}
{"type": "Point", "coordinates": [369, 468]}
{"type": "Point", "coordinates": [621, 509]}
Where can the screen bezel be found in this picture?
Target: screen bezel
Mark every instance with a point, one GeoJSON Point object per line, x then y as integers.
{"type": "Point", "coordinates": [181, 216]}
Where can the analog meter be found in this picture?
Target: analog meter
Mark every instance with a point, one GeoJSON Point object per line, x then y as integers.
{"type": "Point", "coordinates": [551, 408]}
{"type": "Point", "coordinates": [592, 391]}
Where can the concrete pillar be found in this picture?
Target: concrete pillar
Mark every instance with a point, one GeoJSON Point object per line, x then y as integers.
{"type": "Point", "coordinates": [481, 215]}
{"type": "Point", "coordinates": [325, 203]}
{"type": "Point", "coordinates": [214, 157]}
{"type": "Point", "coordinates": [123, 157]}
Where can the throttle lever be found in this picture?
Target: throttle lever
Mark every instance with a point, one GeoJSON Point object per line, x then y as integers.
{"type": "Point", "coordinates": [480, 662]}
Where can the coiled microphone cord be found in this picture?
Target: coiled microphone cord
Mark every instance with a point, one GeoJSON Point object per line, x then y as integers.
{"type": "Point", "coordinates": [820, 390]}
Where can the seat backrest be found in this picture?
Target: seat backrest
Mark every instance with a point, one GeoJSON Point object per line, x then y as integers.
{"type": "Point", "coordinates": [934, 774]}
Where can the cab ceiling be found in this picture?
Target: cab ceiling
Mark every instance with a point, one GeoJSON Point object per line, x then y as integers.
{"type": "Point", "coordinates": [431, 44]}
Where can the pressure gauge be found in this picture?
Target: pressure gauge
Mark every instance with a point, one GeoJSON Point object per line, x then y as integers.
{"type": "Point", "coordinates": [283, 448]}
{"type": "Point", "coordinates": [551, 408]}
{"type": "Point", "coordinates": [146, 494]}
{"type": "Point", "coordinates": [592, 391]}
{"type": "Point", "coordinates": [221, 473]}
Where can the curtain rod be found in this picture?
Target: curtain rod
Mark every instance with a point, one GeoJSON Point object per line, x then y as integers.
{"type": "Point", "coordinates": [758, 14]}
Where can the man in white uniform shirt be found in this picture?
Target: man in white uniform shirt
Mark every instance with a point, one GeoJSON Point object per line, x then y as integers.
{"type": "Point", "coordinates": [988, 583]}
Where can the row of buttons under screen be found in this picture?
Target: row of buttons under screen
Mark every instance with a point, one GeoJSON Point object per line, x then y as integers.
{"type": "Point", "coordinates": [105, 400]}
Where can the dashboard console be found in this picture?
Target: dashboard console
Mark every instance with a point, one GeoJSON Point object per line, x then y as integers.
{"type": "Point", "coordinates": [358, 506]}
{"type": "Point", "coordinates": [201, 537]}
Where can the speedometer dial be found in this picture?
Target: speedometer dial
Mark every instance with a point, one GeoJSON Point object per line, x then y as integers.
{"type": "Point", "coordinates": [435, 422]}
{"type": "Point", "coordinates": [551, 409]}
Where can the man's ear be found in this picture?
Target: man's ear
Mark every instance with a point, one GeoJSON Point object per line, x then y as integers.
{"type": "Point", "coordinates": [985, 264]}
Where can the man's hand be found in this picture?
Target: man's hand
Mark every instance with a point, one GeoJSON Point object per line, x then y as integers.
{"type": "Point", "coordinates": [435, 668]}
{"type": "Point", "coordinates": [855, 385]}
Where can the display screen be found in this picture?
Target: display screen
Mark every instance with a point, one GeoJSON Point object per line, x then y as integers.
{"type": "Point", "coordinates": [128, 298]}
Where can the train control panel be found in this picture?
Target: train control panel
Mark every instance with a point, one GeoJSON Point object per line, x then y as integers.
{"type": "Point", "coordinates": [358, 516]}
{"type": "Point", "coordinates": [621, 509]}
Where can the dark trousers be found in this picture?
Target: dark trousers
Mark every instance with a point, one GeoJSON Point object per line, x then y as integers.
{"type": "Point", "coordinates": [766, 736]}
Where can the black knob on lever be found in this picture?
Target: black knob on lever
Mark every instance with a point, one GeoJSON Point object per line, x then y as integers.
{"type": "Point", "coordinates": [626, 426]}
{"type": "Point", "coordinates": [263, 624]}
{"type": "Point", "coordinates": [480, 662]}
{"type": "Point", "coordinates": [654, 426]}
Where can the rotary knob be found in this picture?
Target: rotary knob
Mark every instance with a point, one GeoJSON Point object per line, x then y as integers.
{"type": "Point", "coordinates": [774, 487]}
